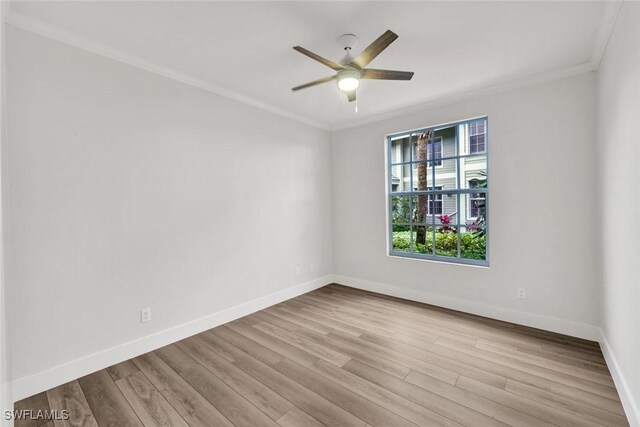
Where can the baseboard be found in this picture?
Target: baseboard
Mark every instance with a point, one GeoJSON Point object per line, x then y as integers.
{"type": "Point", "coordinates": [533, 320]}
{"type": "Point", "coordinates": [61, 374]}
{"type": "Point", "coordinates": [629, 404]}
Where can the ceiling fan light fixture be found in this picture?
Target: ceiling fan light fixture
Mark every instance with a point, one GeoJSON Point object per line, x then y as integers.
{"type": "Point", "coordinates": [348, 80]}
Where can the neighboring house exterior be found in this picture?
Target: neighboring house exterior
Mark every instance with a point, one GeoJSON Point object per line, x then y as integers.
{"type": "Point", "coordinates": [472, 142]}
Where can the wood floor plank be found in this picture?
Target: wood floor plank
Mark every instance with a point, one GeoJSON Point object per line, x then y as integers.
{"type": "Point", "coordinates": [463, 356]}
{"type": "Point", "coordinates": [574, 360]}
{"type": "Point", "coordinates": [429, 368]}
{"type": "Point", "coordinates": [394, 319]}
{"type": "Point", "coordinates": [471, 325]}
{"type": "Point", "coordinates": [298, 418]}
{"type": "Point", "coordinates": [442, 368]}
{"type": "Point", "coordinates": [303, 343]}
{"type": "Point", "coordinates": [248, 346]}
{"type": "Point", "coordinates": [595, 385]}
{"type": "Point", "coordinates": [230, 403]}
{"type": "Point", "coordinates": [70, 397]}
{"type": "Point", "coordinates": [531, 407]}
{"type": "Point", "coordinates": [349, 401]}
{"type": "Point", "coordinates": [340, 356]}
{"type": "Point", "coordinates": [382, 397]}
{"type": "Point", "coordinates": [220, 346]}
{"type": "Point", "coordinates": [150, 406]}
{"type": "Point", "coordinates": [251, 389]}
{"type": "Point", "coordinates": [294, 317]}
{"type": "Point", "coordinates": [284, 349]}
{"type": "Point", "coordinates": [123, 369]}
{"type": "Point", "coordinates": [464, 407]}
{"type": "Point", "coordinates": [353, 351]}
{"type": "Point", "coordinates": [313, 404]}
{"type": "Point", "coordinates": [587, 373]}
{"type": "Point", "coordinates": [35, 403]}
{"type": "Point", "coordinates": [306, 311]}
{"type": "Point", "coordinates": [107, 403]}
{"type": "Point", "coordinates": [426, 414]}
{"type": "Point", "coordinates": [193, 408]}
{"type": "Point", "coordinates": [614, 416]}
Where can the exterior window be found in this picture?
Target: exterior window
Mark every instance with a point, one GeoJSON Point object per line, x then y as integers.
{"type": "Point", "coordinates": [477, 138]}
{"type": "Point", "coordinates": [434, 151]}
{"type": "Point", "coordinates": [434, 206]}
{"type": "Point", "coordinates": [476, 200]}
{"type": "Point", "coordinates": [438, 192]}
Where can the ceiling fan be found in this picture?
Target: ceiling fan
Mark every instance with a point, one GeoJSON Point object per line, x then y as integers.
{"type": "Point", "coordinates": [351, 70]}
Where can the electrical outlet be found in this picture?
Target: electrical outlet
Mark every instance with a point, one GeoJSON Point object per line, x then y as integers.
{"type": "Point", "coordinates": [522, 294]}
{"type": "Point", "coordinates": [145, 315]}
{"type": "Point", "coordinates": [312, 268]}
{"type": "Point", "coordinates": [297, 270]}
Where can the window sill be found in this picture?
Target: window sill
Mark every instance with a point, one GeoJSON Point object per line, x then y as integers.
{"type": "Point", "coordinates": [441, 260]}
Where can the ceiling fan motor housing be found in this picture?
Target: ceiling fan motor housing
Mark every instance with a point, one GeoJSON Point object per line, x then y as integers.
{"type": "Point", "coordinates": [348, 41]}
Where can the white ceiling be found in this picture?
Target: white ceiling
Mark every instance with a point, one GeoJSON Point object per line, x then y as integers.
{"type": "Point", "coordinates": [243, 49]}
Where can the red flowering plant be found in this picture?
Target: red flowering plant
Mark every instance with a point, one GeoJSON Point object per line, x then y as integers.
{"type": "Point", "coordinates": [445, 220]}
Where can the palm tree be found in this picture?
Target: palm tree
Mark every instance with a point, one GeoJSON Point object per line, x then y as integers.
{"type": "Point", "coordinates": [421, 209]}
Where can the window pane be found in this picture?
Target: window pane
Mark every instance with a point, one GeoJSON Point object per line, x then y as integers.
{"type": "Point", "coordinates": [477, 137]}
{"type": "Point", "coordinates": [446, 243]}
{"type": "Point", "coordinates": [446, 212]}
{"type": "Point", "coordinates": [435, 150]}
{"type": "Point", "coordinates": [401, 209]}
{"type": "Point", "coordinates": [421, 206]}
{"type": "Point", "coordinates": [448, 138]}
{"type": "Point", "coordinates": [400, 150]}
{"type": "Point", "coordinates": [473, 243]}
{"type": "Point", "coordinates": [401, 178]}
{"type": "Point", "coordinates": [421, 148]}
{"type": "Point", "coordinates": [401, 238]}
{"type": "Point", "coordinates": [473, 169]}
{"type": "Point", "coordinates": [477, 144]}
{"type": "Point", "coordinates": [422, 176]}
{"type": "Point", "coordinates": [427, 207]}
{"type": "Point", "coordinates": [423, 240]}
{"type": "Point", "coordinates": [472, 209]}
{"type": "Point", "coordinates": [446, 174]}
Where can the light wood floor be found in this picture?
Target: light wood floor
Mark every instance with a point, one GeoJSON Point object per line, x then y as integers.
{"type": "Point", "coordinates": [343, 357]}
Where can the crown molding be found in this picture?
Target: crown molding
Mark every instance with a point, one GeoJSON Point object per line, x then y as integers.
{"type": "Point", "coordinates": [607, 24]}
{"type": "Point", "coordinates": [472, 93]}
{"type": "Point", "coordinates": [24, 22]}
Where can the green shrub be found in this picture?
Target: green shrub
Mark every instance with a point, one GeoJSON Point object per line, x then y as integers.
{"type": "Point", "coordinates": [472, 246]}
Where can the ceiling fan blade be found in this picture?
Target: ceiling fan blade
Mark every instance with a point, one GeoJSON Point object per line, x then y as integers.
{"type": "Point", "coordinates": [372, 73]}
{"type": "Point", "coordinates": [320, 59]}
{"type": "Point", "coordinates": [374, 49]}
{"type": "Point", "coordinates": [315, 82]}
{"type": "Point", "coordinates": [351, 95]}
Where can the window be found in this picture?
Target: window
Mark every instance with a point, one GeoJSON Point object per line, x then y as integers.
{"type": "Point", "coordinates": [438, 193]}
{"type": "Point", "coordinates": [434, 151]}
{"type": "Point", "coordinates": [435, 204]}
{"type": "Point", "coordinates": [476, 200]}
{"type": "Point", "coordinates": [477, 137]}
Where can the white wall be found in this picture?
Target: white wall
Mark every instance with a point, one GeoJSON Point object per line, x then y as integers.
{"type": "Point", "coordinates": [543, 211]}
{"type": "Point", "coordinates": [6, 400]}
{"type": "Point", "coordinates": [128, 190]}
{"type": "Point", "coordinates": [618, 136]}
